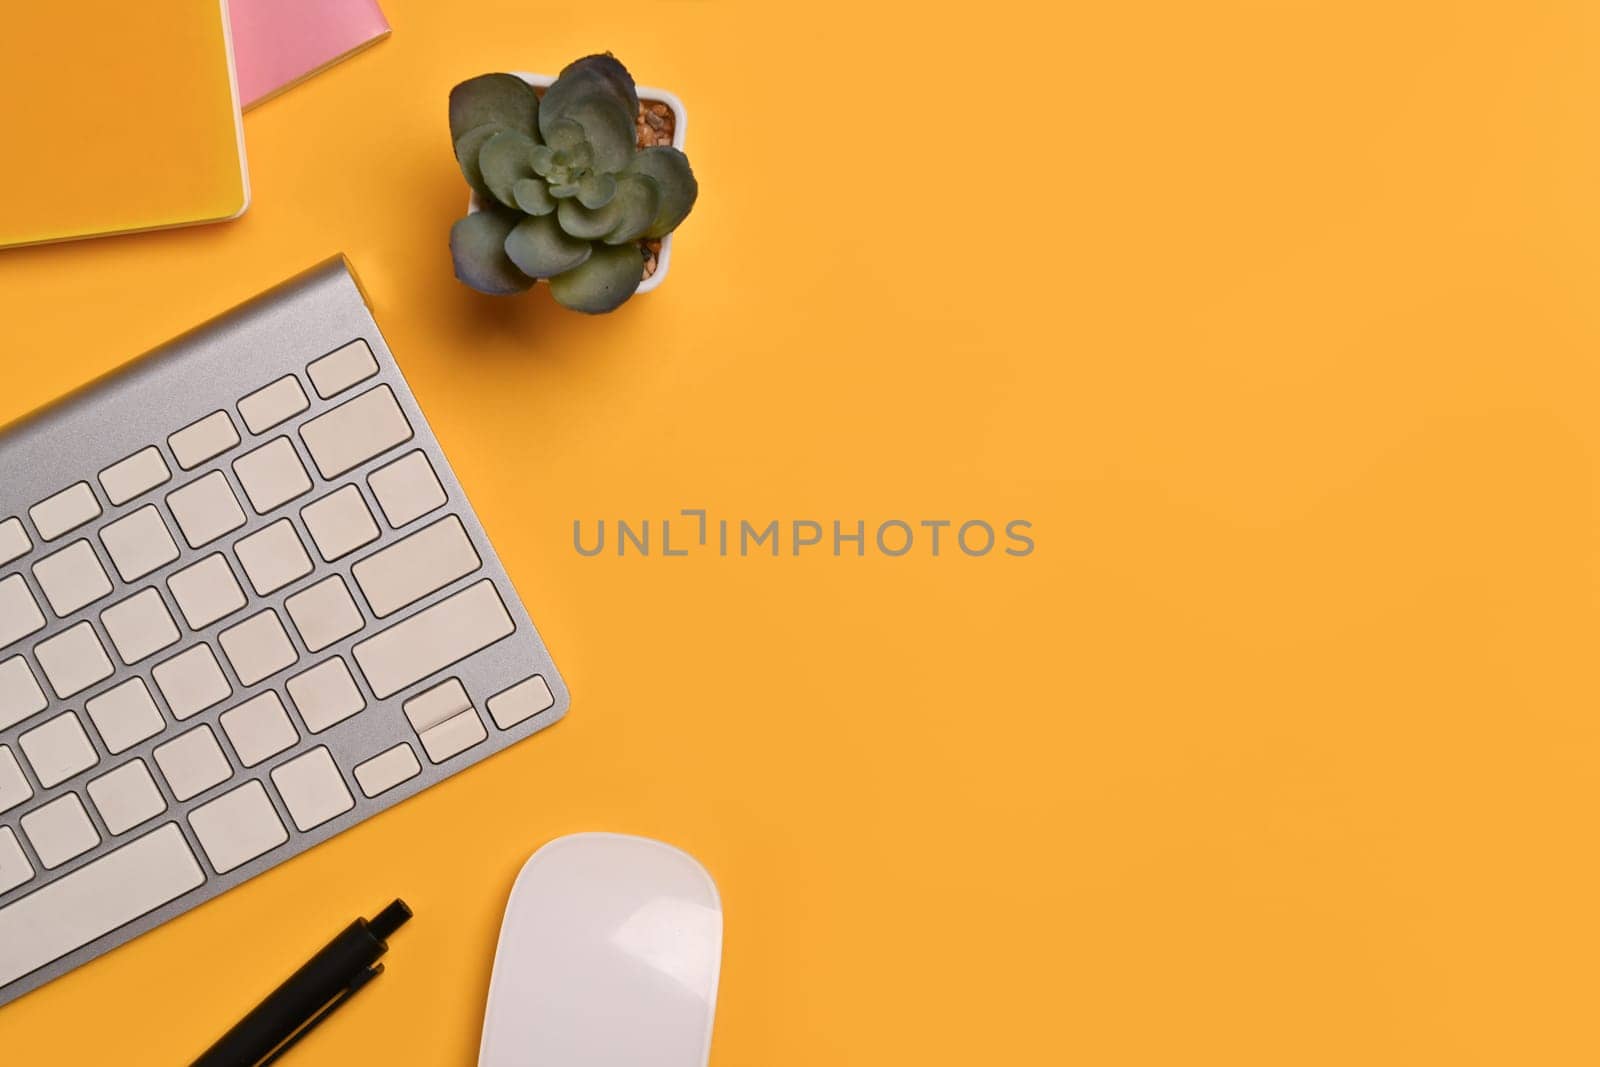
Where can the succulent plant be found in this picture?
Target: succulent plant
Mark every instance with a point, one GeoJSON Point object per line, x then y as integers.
{"type": "Point", "coordinates": [564, 191]}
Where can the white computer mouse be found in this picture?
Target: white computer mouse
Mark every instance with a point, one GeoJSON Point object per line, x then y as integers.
{"type": "Point", "coordinates": [609, 957]}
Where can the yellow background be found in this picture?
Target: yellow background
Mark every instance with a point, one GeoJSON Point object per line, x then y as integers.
{"type": "Point", "coordinates": [1277, 318]}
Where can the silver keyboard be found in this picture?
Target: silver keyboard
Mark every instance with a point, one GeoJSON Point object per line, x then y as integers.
{"type": "Point", "coordinates": [244, 604]}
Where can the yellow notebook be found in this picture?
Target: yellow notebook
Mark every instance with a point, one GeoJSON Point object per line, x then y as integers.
{"type": "Point", "coordinates": [118, 116]}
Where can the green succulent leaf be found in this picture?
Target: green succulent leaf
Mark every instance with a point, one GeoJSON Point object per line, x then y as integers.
{"type": "Point", "coordinates": [478, 246]}
{"type": "Point", "coordinates": [610, 69]}
{"type": "Point", "coordinates": [543, 159]}
{"type": "Point", "coordinates": [468, 147]}
{"type": "Point", "coordinates": [596, 190]}
{"type": "Point", "coordinates": [586, 78]}
{"type": "Point", "coordinates": [579, 157]}
{"type": "Point", "coordinates": [533, 197]}
{"type": "Point", "coordinates": [563, 134]}
{"type": "Point", "coordinates": [501, 100]}
{"type": "Point", "coordinates": [609, 132]}
{"type": "Point", "coordinates": [603, 282]}
{"type": "Point", "coordinates": [670, 169]}
{"type": "Point", "coordinates": [637, 197]}
{"type": "Point", "coordinates": [564, 191]}
{"type": "Point", "coordinates": [598, 95]}
{"type": "Point", "coordinates": [540, 250]}
{"type": "Point", "coordinates": [588, 223]}
{"type": "Point", "coordinates": [504, 160]}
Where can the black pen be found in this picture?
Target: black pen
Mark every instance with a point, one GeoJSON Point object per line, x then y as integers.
{"type": "Point", "coordinates": [311, 994]}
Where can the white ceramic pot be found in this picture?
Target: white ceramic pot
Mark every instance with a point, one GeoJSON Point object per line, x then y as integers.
{"type": "Point", "coordinates": [680, 122]}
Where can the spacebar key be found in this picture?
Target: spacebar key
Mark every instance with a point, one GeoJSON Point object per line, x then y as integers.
{"type": "Point", "coordinates": [94, 900]}
{"type": "Point", "coordinates": [432, 640]}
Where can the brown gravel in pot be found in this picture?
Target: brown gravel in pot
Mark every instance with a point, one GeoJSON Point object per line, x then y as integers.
{"type": "Point", "coordinates": [655, 125]}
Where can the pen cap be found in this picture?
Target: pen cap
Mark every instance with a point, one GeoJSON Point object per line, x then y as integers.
{"type": "Point", "coordinates": [383, 925]}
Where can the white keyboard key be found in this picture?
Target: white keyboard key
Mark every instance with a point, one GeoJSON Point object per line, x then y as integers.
{"type": "Point", "coordinates": [325, 695]}
{"type": "Point", "coordinates": [259, 728]}
{"type": "Point", "coordinates": [94, 900]}
{"type": "Point", "coordinates": [325, 613]}
{"type": "Point", "coordinates": [434, 706]}
{"type": "Point", "coordinates": [72, 578]}
{"type": "Point", "coordinates": [206, 592]}
{"type": "Point", "coordinates": [14, 541]}
{"type": "Point", "coordinates": [521, 702]}
{"type": "Point", "coordinates": [193, 762]}
{"type": "Point", "coordinates": [445, 720]}
{"type": "Point", "coordinates": [14, 866]}
{"type": "Point", "coordinates": [342, 368]}
{"type": "Point", "coordinates": [125, 715]}
{"type": "Point", "coordinates": [127, 797]}
{"type": "Point", "coordinates": [276, 404]}
{"type": "Point", "coordinates": [388, 769]}
{"type": "Point", "coordinates": [140, 626]}
{"type": "Point", "coordinates": [19, 612]}
{"type": "Point", "coordinates": [312, 789]}
{"type": "Point", "coordinates": [139, 544]}
{"type": "Point", "coordinates": [407, 489]}
{"type": "Point", "coordinates": [453, 736]}
{"type": "Point", "coordinates": [340, 523]}
{"type": "Point", "coordinates": [14, 788]}
{"type": "Point", "coordinates": [356, 431]}
{"type": "Point", "coordinates": [273, 558]}
{"type": "Point", "coordinates": [423, 563]}
{"type": "Point", "coordinates": [192, 681]}
{"type": "Point", "coordinates": [272, 475]}
{"type": "Point", "coordinates": [59, 831]}
{"type": "Point", "coordinates": [134, 476]}
{"type": "Point", "coordinates": [20, 695]}
{"type": "Point", "coordinates": [258, 648]}
{"type": "Point", "coordinates": [433, 639]}
{"type": "Point", "coordinates": [206, 510]}
{"type": "Point", "coordinates": [58, 749]}
{"type": "Point", "coordinates": [203, 440]}
{"type": "Point", "coordinates": [73, 661]}
{"type": "Point", "coordinates": [65, 512]}
{"type": "Point", "coordinates": [237, 827]}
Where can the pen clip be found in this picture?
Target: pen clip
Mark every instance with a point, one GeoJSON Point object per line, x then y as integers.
{"type": "Point", "coordinates": [327, 1009]}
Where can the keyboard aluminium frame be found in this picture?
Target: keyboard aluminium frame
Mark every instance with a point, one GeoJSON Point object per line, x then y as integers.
{"type": "Point", "coordinates": [210, 368]}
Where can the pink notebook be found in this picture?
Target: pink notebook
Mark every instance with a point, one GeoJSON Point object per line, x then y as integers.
{"type": "Point", "coordinates": [280, 43]}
